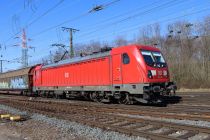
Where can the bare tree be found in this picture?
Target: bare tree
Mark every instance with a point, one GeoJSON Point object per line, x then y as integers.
{"type": "Point", "coordinates": [120, 41]}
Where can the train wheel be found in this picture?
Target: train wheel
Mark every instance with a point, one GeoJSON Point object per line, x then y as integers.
{"type": "Point", "coordinates": [96, 97]}
{"type": "Point", "coordinates": [42, 94]}
{"type": "Point", "coordinates": [124, 98]}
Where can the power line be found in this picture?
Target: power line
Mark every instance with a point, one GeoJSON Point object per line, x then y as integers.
{"type": "Point", "coordinates": [110, 3]}
{"type": "Point", "coordinates": [33, 13]}
{"type": "Point", "coordinates": [38, 18]}
{"type": "Point", "coordinates": [68, 20]}
{"type": "Point", "coordinates": [4, 60]}
{"type": "Point", "coordinates": [52, 27]}
{"type": "Point", "coordinates": [58, 25]}
{"type": "Point", "coordinates": [141, 26]}
{"type": "Point", "coordinates": [106, 26]}
{"type": "Point", "coordinates": [102, 6]}
{"type": "Point", "coordinates": [162, 21]}
{"type": "Point", "coordinates": [45, 13]}
{"type": "Point", "coordinates": [120, 15]}
{"type": "Point", "coordinates": [132, 16]}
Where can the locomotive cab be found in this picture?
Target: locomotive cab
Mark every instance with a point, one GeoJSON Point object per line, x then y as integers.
{"type": "Point", "coordinates": [142, 72]}
{"type": "Point", "coordinates": [158, 78]}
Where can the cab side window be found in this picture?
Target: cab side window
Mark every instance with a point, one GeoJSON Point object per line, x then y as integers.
{"type": "Point", "coordinates": [125, 58]}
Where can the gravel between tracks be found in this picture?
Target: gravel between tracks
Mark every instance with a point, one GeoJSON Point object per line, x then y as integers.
{"type": "Point", "coordinates": [176, 121]}
{"type": "Point", "coordinates": [72, 127]}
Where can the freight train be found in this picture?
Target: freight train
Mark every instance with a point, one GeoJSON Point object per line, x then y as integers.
{"type": "Point", "coordinates": [126, 74]}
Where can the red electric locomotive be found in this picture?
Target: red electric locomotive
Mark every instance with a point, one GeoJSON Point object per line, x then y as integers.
{"type": "Point", "coordinates": [126, 74]}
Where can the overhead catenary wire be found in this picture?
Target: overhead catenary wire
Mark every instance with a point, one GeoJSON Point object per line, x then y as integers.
{"type": "Point", "coordinates": [120, 15]}
{"type": "Point", "coordinates": [36, 19]}
{"type": "Point", "coordinates": [33, 13]}
{"type": "Point", "coordinates": [142, 25]}
{"type": "Point", "coordinates": [143, 11]}
{"type": "Point", "coordinates": [45, 13]}
{"type": "Point", "coordinates": [160, 21]}
{"type": "Point", "coordinates": [102, 6]}
{"type": "Point", "coordinates": [90, 37]}
{"type": "Point", "coordinates": [58, 25]}
{"type": "Point", "coordinates": [146, 23]}
{"type": "Point", "coordinates": [74, 19]}
{"type": "Point", "coordinates": [68, 20]}
{"type": "Point", "coordinates": [159, 7]}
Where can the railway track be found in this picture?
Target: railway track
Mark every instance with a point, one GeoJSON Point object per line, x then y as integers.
{"type": "Point", "coordinates": [109, 118]}
{"type": "Point", "coordinates": [173, 112]}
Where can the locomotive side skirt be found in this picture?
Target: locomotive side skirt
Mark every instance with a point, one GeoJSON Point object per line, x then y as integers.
{"type": "Point", "coordinates": [132, 88]}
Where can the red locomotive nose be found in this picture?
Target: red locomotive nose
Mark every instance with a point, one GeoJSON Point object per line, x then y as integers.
{"type": "Point", "coordinates": [155, 65]}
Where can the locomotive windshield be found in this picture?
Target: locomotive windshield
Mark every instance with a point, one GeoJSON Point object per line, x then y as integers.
{"type": "Point", "coordinates": [153, 58]}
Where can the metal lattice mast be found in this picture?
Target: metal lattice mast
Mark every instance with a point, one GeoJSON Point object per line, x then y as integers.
{"type": "Point", "coordinates": [24, 49]}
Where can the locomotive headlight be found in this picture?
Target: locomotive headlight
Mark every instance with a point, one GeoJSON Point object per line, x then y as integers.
{"type": "Point", "coordinates": [165, 73]}
{"type": "Point", "coordinates": [149, 75]}
{"type": "Point", "coordinates": [153, 72]}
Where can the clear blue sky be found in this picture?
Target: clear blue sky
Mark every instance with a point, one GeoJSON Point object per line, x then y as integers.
{"type": "Point", "coordinates": [41, 18]}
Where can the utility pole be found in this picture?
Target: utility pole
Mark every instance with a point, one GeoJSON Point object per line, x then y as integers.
{"type": "Point", "coordinates": [1, 63]}
{"type": "Point", "coordinates": [71, 31]}
{"type": "Point", "coordinates": [1, 66]}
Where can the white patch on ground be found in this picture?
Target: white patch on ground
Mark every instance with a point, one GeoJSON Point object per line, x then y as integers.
{"type": "Point", "coordinates": [145, 127]}
{"type": "Point", "coordinates": [163, 129]}
{"type": "Point", "coordinates": [200, 136]}
{"type": "Point", "coordinates": [120, 123]}
{"type": "Point", "coordinates": [64, 125]}
{"type": "Point", "coordinates": [178, 133]}
{"type": "Point", "coordinates": [130, 125]}
{"type": "Point", "coordinates": [175, 121]}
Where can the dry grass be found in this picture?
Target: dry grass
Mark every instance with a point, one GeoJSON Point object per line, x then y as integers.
{"type": "Point", "coordinates": [194, 90]}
